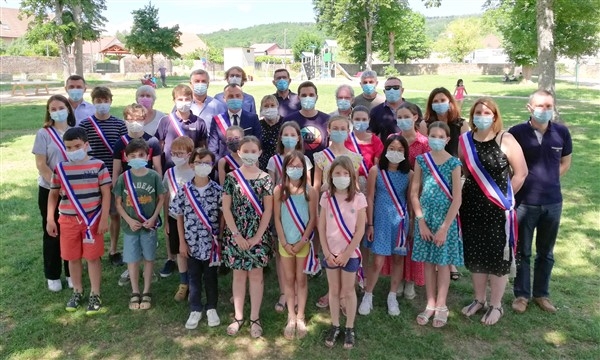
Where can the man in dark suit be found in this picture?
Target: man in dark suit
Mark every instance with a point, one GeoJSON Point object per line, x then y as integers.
{"type": "Point", "coordinates": [234, 116]}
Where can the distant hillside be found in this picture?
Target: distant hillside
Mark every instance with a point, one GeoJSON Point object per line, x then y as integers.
{"type": "Point", "coordinates": [434, 26]}
{"type": "Point", "coordinates": [266, 33]}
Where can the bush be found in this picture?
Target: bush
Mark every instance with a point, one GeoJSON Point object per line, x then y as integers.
{"type": "Point", "coordinates": [390, 71]}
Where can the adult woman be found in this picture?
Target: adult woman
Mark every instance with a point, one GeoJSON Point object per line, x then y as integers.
{"type": "Point", "coordinates": [235, 75]}
{"type": "Point", "coordinates": [490, 156]}
{"type": "Point", "coordinates": [49, 150]}
{"type": "Point", "coordinates": [146, 96]}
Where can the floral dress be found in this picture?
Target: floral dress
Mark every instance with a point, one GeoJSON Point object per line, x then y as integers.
{"type": "Point", "coordinates": [247, 222]}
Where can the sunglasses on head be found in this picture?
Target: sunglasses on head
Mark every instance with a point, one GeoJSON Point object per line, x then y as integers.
{"type": "Point", "coordinates": [395, 87]}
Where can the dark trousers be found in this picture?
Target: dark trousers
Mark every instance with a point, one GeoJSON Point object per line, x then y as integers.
{"type": "Point", "coordinates": [199, 272]}
{"type": "Point", "coordinates": [544, 220]}
{"type": "Point", "coordinates": [163, 79]}
{"type": "Point", "coordinates": [51, 245]}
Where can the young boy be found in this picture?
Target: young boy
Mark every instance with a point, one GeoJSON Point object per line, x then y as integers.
{"type": "Point", "coordinates": [197, 207]}
{"type": "Point", "coordinates": [175, 177]}
{"type": "Point", "coordinates": [83, 185]}
{"type": "Point", "coordinates": [103, 130]}
{"type": "Point", "coordinates": [139, 195]}
{"type": "Point", "coordinates": [179, 123]}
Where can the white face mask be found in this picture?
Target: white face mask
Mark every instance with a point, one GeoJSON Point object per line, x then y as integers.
{"type": "Point", "coordinates": [183, 106]}
{"type": "Point", "coordinates": [135, 126]}
{"type": "Point", "coordinates": [270, 113]}
{"type": "Point", "coordinates": [249, 159]}
{"type": "Point", "coordinates": [203, 170]}
{"type": "Point", "coordinates": [395, 157]}
{"type": "Point", "coordinates": [341, 182]}
{"type": "Point", "coordinates": [178, 161]}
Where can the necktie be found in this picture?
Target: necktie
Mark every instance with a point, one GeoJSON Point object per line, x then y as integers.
{"type": "Point", "coordinates": [235, 120]}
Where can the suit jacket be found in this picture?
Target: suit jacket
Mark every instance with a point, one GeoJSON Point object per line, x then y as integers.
{"type": "Point", "coordinates": [248, 103]}
{"type": "Point", "coordinates": [217, 142]}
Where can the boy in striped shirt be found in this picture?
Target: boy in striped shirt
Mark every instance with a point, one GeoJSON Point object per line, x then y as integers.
{"type": "Point", "coordinates": [83, 186]}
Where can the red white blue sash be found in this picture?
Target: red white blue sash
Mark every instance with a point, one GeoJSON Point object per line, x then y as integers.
{"type": "Point", "coordinates": [135, 203]}
{"type": "Point", "coordinates": [57, 141]}
{"type": "Point", "coordinates": [401, 208]}
{"type": "Point", "coordinates": [346, 233]}
{"type": "Point", "coordinates": [491, 190]}
{"type": "Point", "coordinates": [89, 221]}
{"type": "Point", "coordinates": [231, 161]}
{"type": "Point", "coordinates": [215, 251]}
{"type": "Point", "coordinates": [363, 163]}
{"type": "Point", "coordinates": [126, 139]}
{"type": "Point", "coordinates": [311, 263]}
{"type": "Point", "coordinates": [248, 192]}
{"type": "Point", "coordinates": [329, 155]}
{"type": "Point", "coordinates": [222, 123]}
{"type": "Point", "coordinates": [171, 180]}
{"type": "Point", "coordinates": [176, 126]}
{"type": "Point", "coordinates": [279, 165]}
{"type": "Point", "coordinates": [101, 134]}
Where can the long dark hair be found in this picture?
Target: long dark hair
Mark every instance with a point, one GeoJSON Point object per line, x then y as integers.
{"type": "Point", "coordinates": [285, 179]}
{"type": "Point", "coordinates": [453, 111]}
{"type": "Point", "coordinates": [70, 118]}
{"type": "Point", "coordinates": [384, 163]}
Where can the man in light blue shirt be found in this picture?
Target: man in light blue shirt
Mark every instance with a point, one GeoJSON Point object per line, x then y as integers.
{"type": "Point", "coordinates": [204, 106]}
{"type": "Point", "coordinates": [75, 87]}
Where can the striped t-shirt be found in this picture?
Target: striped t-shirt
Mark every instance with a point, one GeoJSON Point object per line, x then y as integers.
{"type": "Point", "coordinates": [85, 179]}
{"type": "Point", "coordinates": [113, 129]}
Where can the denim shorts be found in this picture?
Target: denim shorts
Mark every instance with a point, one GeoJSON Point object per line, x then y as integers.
{"type": "Point", "coordinates": [139, 245]}
{"type": "Point", "coordinates": [351, 266]}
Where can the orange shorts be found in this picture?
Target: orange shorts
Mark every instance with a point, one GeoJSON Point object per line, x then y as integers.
{"type": "Point", "coordinates": [72, 235]}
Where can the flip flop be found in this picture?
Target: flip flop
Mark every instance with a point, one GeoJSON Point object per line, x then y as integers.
{"type": "Point", "coordinates": [467, 309]}
{"type": "Point", "coordinates": [489, 312]}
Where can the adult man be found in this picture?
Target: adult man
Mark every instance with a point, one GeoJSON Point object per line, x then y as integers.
{"type": "Point", "coordinates": [344, 95]}
{"type": "Point", "coordinates": [162, 70]}
{"type": "Point", "coordinates": [288, 101]}
{"type": "Point", "coordinates": [236, 116]}
{"type": "Point", "coordinates": [235, 75]}
{"type": "Point", "coordinates": [547, 148]}
{"type": "Point", "coordinates": [383, 116]}
{"type": "Point", "coordinates": [204, 106]}
{"type": "Point", "coordinates": [75, 87]}
{"type": "Point", "coordinates": [369, 97]}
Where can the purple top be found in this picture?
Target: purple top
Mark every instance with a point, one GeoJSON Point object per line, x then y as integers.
{"type": "Point", "coordinates": [194, 128]}
{"type": "Point", "coordinates": [313, 130]}
{"type": "Point", "coordinates": [288, 105]}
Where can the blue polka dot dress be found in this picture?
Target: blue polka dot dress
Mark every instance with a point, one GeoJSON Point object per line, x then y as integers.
{"type": "Point", "coordinates": [435, 206]}
{"type": "Point", "coordinates": [386, 220]}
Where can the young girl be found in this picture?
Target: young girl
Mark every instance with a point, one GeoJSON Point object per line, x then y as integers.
{"type": "Point", "coordinates": [295, 220]}
{"type": "Point", "coordinates": [289, 139]}
{"type": "Point", "coordinates": [387, 219]}
{"type": "Point", "coordinates": [459, 92]}
{"type": "Point", "coordinates": [231, 161]}
{"type": "Point", "coordinates": [270, 124]}
{"type": "Point", "coordinates": [247, 210]}
{"type": "Point", "coordinates": [342, 226]}
{"type": "Point", "coordinates": [437, 236]}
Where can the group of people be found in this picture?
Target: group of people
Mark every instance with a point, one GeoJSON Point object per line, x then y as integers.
{"type": "Point", "coordinates": [377, 187]}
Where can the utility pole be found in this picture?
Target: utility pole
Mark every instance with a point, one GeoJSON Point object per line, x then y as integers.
{"type": "Point", "coordinates": [285, 45]}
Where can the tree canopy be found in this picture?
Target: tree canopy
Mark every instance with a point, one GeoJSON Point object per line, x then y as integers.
{"type": "Point", "coordinates": [306, 42]}
{"type": "Point", "coordinates": [462, 36]}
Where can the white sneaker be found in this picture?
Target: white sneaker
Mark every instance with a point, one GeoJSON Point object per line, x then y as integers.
{"type": "Point", "coordinates": [409, 290]}
{"type": "Point", "coordinates": [69, 282]}
{"type": "Point", "coordinates": [366, 305]}
{"type": "Point", "coordinates": [124, 278]}
{"type": "Point", "coordinates": [193, 320]}
{"type": "Point", "coordinates": [392, 303]}
{"type": "Point", "coordinates": [54, 285]}
{"type": "Point", "coordinates": [213, 318]}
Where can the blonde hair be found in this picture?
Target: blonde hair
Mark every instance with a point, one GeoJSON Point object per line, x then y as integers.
{"type": "Point", "coordinates": [136, 111]}
{"type": "Point", "coordinates": [338, 118]}
{"type": "Point", "coordinates": [268, 98]}
{"type": "Point", "coordinates": [490, 104]}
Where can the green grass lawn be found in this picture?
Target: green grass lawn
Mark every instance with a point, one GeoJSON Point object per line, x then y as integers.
{"type": "Point", "coordinates": [34, 325]}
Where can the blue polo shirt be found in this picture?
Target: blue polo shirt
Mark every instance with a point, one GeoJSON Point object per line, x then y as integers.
{"type": "Point", "coordinates": [289, 105]}
{"type": "Point", "coordinates": [542, 185]}
{"type": "Point", "coordinates": [383, 121]}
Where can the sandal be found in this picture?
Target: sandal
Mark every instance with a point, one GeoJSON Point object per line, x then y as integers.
{"type": "Point", "coordinates": [280, 306]}
{"type": "Point", "coordinates": [423, 318]}
{"type": "Point", "coordinates": [454, 275]}
{"type": "Point", "coordinates": [332, 335]}
{"type": "Point", "coordinates": [254, 332]}
{"type": "Point", "coordinates": [441, 321]}
{"type": "Point", "coordinates": [349, 338]}
{"type": "Point", "coordinates": [134, 301]}
{"type": "Point", "coordinates": [232, 329]}
{"type": "Point", "coordinates": [301, 330]}
{"type": "Point", "coordinates": [471, 308]}
{"type": "Point", "coordinates": [146, 302]}
{"type": "Point", "coordinates": [489, 312]}
{"type": "Point", "coordinates": [323, 302]}
{"type": "Point", "coordinates": [289, 330]}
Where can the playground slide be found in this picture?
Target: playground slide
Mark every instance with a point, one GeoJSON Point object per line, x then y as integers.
{"type": "Point", "coordinates": [344, 72]}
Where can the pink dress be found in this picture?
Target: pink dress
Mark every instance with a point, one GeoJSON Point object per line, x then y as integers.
{"type": "Point", "coordinates": [459, 93]}
{"type": "Point", "coordinates": [349, 209]}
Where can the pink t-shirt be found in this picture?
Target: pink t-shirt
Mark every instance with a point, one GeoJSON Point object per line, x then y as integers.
{"type": "Point", "coordinates": [349, 210]}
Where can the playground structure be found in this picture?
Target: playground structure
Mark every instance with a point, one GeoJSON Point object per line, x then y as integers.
{"type": "Point", "coordinates": [323, 64]}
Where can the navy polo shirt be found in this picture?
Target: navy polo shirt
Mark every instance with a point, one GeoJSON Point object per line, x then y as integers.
{"type": "Point", "coordinates": [383, 121]}
{"type": "Point", "coordinates": [289, 105]}
{"type": "Point", "coordinates": [542, 185]}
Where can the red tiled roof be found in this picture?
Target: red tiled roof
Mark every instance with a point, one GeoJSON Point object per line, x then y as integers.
{"type": "Point", "coordinates": [11, 27]}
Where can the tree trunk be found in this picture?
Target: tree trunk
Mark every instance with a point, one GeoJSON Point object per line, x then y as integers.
{"type": "Point", "coordinates": [152, 64]}
{"type": "Point", "coordinates": [526, 72]}
{"type": "Point", "coordinates": [392, 47]}
{"type": "Point", "coordinates": [64, 53]}
{"type": "Point", "coordinates": [369, 38]}
{"type": "Point", "coordinates": [545, 37]}
{"type": "Point", "coordinates": [78, 49]}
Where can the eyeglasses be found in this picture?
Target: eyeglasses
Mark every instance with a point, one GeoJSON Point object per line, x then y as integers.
{"type": "Point", "coordinates": [395, 87]}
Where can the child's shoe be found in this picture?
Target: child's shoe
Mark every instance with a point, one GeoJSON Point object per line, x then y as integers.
{"type": "Point", "coordinates": [168, 268]}
{"type": "Point", "coordinates": [69, 282]}
{"type": "Point", "coordinates": [182, 292]}
{"type": "Point", "coordinates": [94, 305]}
{"type": "Point", "coordinates": [392, 303]}
{"type": "Point", "coordinates": [74, 301]}
{"type": "Point", "coordinates": [116, 259]}
{"type": "Point", "coordinates": [54, 285]}
{"type": "Point", "coordinates": [124, 278]}
{"type": "Point", "coordinates": [409, 290]}
{"type": "Point", "coordinates": [213, 318]}
{"type": "Point", "coordinates": [193, 320]}
{"type": "Point", "coordinates": [366, 305]}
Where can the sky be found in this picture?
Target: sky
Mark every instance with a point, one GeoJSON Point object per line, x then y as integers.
{"type": "Point", "coordinates": [205, 16]}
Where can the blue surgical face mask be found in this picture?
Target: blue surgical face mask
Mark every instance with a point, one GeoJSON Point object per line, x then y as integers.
{"type": "Point", "coordinates": [308, 103]}
{"type": "Point", "coordinates": [440, 108]}
{"type": "Point", "coordinates": [282, 85]}
{"type": "Point", "coordinates": [200, 89]}
{"type": "Point", "coordinates": [368, 89]}
{"type": "Point", "coordinates": [75, 94]}
{"type": "Point", "coordinates": [343, 104]}
{"type": "Point", "coordinates": [234, 104]}
{"type": "Point", "coordinates": [60, 115]}
{"type": "Point", "coordinates": [103, 108]}
{"type": "Point", "coordinates": [436, 144]}
{"type": "Point", "coordinates": [294, 173]}
{"type": "Point", "coordinates": [405, 124]}
{"type": "Point", "coordinates": [289, 142]}
{"type": "Point", "coordinates": [543, 116]}
{"type": "Point", "coordinates": [76, 155]}
{"type": "Point", "coordinates": [137, 163]}
{"type": "Point", "coordinates": [338, 136]}
{"type": "Point", "coordinates": [483, 122]}
{"type": "Point", "coordinates": [392, 95]}
{"type": "Point", "coordinates": [361, 126]}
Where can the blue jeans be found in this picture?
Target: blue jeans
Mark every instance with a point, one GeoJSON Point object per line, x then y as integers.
{"type": "Point", "coordinates": [544, 220]}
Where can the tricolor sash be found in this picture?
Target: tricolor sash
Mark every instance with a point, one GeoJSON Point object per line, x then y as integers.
{"type": "Point", "coordinates": [248, 191]}
{"type": "Point", "coordinates": [346, 233]}
{"type": "Point", "coordinates": [442, 183]}
{"type": "Point", "coordinates": [222, 123]}
{"type": "Point", "coordinates": [329, 155]}
{"type": "Point", "coordinates": [126, 139]}
{"type": "Point", "coordinates": [363, 163]}
{"type": "Point", "coordinates": [176, 126]}
{"type": "Point", "coordinates": [491, 190]}
{"type": "Point", "coordinates": [401, 208]}
{"type": "Point", "coordinates": [311, 263]}
{"type": "Point", "coordinates": [128, 179]}
{"type": "Point", "coordinates": [215, 251]}
{"type": "Point", "coordinates": [101, 134]}
{"type": "Point", "coordinates": [231, 161]}
{"type": "Point", "coordinates": [171, 180]}
{"type": "Point", "coordinates": [89, 221]}
{"type": "Point", "coordinates": [279, 165]}
{"type": "Point", "coordinates": [57, 141]}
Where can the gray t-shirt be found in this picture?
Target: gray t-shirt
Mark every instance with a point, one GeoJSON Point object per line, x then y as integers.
{"type": "Point", "coordinates": [271, 166]}
{"type": "Point", "coordinates": [369, 103]}
{"type": "Point", "coordinates": [150, 128]}
{"type": "Point", "coordinates": [44, 145]}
